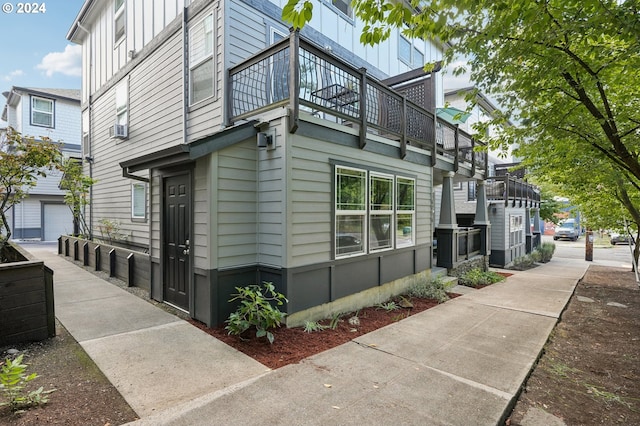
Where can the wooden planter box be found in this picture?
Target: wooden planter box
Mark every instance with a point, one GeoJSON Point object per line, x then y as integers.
{"type": "Point", "coordinates": [26, 298]}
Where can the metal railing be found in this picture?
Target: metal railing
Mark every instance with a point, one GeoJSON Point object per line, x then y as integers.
{"type": "Point", "coordinates": [512, 190]}
{"type": "Point", "coordinates": [296, 73]}
{"type": "Point", "coordinates": [469, 242]}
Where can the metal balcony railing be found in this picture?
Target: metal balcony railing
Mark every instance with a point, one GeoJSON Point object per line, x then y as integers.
{"type": "Point", "coordinates": [296, 73]}
{"type": "Point", "coordinates": [512, 190]}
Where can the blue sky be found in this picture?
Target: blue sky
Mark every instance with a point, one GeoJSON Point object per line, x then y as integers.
{"type": "Point", "coordinates": [35, 51]}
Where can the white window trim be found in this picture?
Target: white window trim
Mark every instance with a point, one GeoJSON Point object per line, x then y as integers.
{"type": "Point", "coordinates": [120, 12]}
{"type": "Point", "coordinates": [412, 61]}
{"type": "Point", "coordinates": [135, 185]}
{"type": "Point", "coordinates": [340, 13]}
{"type": "Point", "coordinates": [211, 56]}
{"type": "Point", "coordinates": [367, 213]}
{"type": "Point", "coordinates": [34, 109]}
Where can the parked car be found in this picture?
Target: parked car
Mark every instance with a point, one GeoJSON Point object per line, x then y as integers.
{"type": "Point", "coordinates": [619, 238]}
{"type": "Point", "coordinates": [567, 230]}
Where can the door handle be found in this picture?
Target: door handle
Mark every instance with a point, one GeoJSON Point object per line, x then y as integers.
{"type": "Point", "coordinates": [186, 252]}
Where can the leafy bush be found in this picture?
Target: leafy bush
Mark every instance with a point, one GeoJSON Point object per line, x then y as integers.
{"type": "Point", "coordinates": [477, 277]}
{"type": "Point", "coordinates": [256, 310]}
{"type": "Point", "coordinates": [388, 306]}
{"type": "Point", "coordinates": [436, 289]}
{"type": "Point", "coordinates": [536, 256]}
{"type": "Point", "coordinates": [546, 251]}
{"type": "Point", "coordinates": [522, 263]}
{"type": "Point", "coordinates": [13, 380]}
{"type": "Point", "coordinates": [311, 326]}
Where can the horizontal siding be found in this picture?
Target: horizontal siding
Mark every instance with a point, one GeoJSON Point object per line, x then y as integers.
{"type": "Point", "coordinates": [236, 228]}
{"type": "Point", "coordinates": [310, 219]}
{"type": "Point", "coordinates": [155, 113]}
{"type": "Point", "coordinates": [201, 215]}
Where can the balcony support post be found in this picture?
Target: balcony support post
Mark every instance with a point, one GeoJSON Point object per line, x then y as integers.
{"type": "Point", "coordinates": [481, 220]}
{"type": "Point", "coordinates": [447, 230]}
{"type": "Point", "coordinates": [294, 80]}
{"type": "Point", "coordinates": [527, 231]}
{"type": "Point", "coordinates": [363, 107]}
{"type": "Point", "coordinates": [537, 234]}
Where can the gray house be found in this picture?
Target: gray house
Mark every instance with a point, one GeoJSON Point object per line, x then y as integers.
{"type": "Point", "coordinates": [233, 152]}
{"type": "Point", "coordinates": [52, 113]}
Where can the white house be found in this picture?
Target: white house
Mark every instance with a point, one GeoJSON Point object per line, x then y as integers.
{"type": "Point", "coordinates": [52, 113]}
{"type": "Point", "coordinates": [234, 151]}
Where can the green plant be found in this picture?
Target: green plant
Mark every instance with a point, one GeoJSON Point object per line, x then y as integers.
{"type": "Point", "coordinates": [256, 310]}
{"type": "Point", "coordinates": [388, 306]}
{"type": "Point", "coordinates": [546, 251]}
{"type": "Point", "coordinates": [477, 277]}
{"type": "Point", "coordinates": [436, 289]}
{"type": "Point", "coordinates": [536, 256]}
{"type": "Point", "coordinates": [312, 326]}
{"type": "Point", "coordinates": [110, 230]}
{"type": "Point", "coordinates": [521, 263]}
{"type": "Point", "coordinates": [13, 380]}
{"type": "Point", "coordinates": [335, 320]}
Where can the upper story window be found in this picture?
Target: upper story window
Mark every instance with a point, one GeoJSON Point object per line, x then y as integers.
{"type": "Point", "coordinates": [471, 192]}
{"type": "Point", "coordinates": [122, 102]}
{"type": "Point", "coordinates": [409, 54]}
{"type": "Point", "coordinates": [343, 6]}
{"type": "Point", "coordinates": [41, 112]}
{"type": "Point", "coordinates": [201, 70]}
{"type": "Point", "coordinates": [119, 20]}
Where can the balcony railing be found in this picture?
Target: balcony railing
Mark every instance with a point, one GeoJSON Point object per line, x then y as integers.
{"type": "Point", "coordinates": [469, 243]}
{"type": "Point", "coordinates": [296, 73]}
{"type": "Point", "coordinates": [512, 190]}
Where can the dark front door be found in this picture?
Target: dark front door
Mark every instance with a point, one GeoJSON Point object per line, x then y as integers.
{"type": "Point", "coordinates": [176, 229]}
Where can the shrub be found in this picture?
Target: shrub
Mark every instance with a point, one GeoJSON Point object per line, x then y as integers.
{"type": "Point", "coordinates": [312, 326]}
{"type": "Point", "coordinates": [256, 310]}
{"type": "Point", "coordinates": [477, 277]}
{"type": "Point", "coordinates": [436, 289]}
{"type": "Point", "coordinates": [546, 251]}
{"type": "Point", "coordinates": [13, 380]}
{"type": "Point", "coordinates": [536, 256]}
{"type": "Point", "coordinates": [521, 263]}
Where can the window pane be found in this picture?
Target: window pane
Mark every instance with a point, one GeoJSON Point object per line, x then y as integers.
{"type": "Point", "coordinates": [406, 191]}
{"type": "Point", "coordinates": [418, 58]}
{"type": "Point", "coordinates": [138, 198]}
{"type": "Point", "coordinates": [404, 50]}
{"type": "Point", "coordinates": [380, 232]}
{"type": "Point", "coordinates": [119, 27]}
{"type": "Point", "coordinates": [381, 193]}
{"type": "Point", "coordinates": [344, 6]}
{"type": "Point", "coordinates": [42, 105]}
{"type": "Point", "coordinates": [349, 234]}
{"type": "Point", "coordinates": [404, 230]}
{"type": "Point", "coordinates": [118, 4]}
{"type": "Point", "coordinates": [201, 42]}
{"type": "Point", "coordinates": [202, 81]}
{"type": "Point", "coordinates": [42, 119]}
{"type": "Point", "coordinates": [350, 190]}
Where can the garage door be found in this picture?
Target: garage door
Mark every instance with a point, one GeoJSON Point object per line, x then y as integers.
{"type": "Point", "coordinates": [58, 220]}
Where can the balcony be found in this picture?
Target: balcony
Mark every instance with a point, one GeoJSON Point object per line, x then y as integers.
{"type": "Point", "coordinates": [512, 190]}
{"type": "Point", "coordinates": [295, 73]}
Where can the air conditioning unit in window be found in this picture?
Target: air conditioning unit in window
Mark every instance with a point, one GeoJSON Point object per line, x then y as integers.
{"type": "Point", "coordinates": [119, 131]}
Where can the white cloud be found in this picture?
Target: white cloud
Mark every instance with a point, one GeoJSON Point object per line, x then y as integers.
{"type": "Point", "coordinates": [68, 62]}
{"type": "Point", "coordinates": [12, 75]}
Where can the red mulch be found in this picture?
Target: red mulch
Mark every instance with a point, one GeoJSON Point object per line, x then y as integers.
{"type": "Point", "coordinates": [291, 345]}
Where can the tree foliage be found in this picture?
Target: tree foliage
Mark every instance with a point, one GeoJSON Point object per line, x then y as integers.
{"type": "Point", "coordinates": [76, 186]}
{"type": "Point", "coordinates": [22, 161]}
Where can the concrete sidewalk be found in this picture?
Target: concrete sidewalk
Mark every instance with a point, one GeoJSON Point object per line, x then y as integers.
{"type": "Point", "coordinates": [460, 363]}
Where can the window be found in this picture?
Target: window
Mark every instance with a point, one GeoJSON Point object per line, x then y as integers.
{"type": "Point", "coordinates": [138, 200]}
{"type": "Point", "coordinates": [516, 228]}
{"type": "Point", "coordinates": [471, 190]}
{"type": "Point", "coordinates": [381, 211]}
{"type": "Point", "coordinates": [119, 20]}
{"type": "Point", "coordinates": [86, 146]}
{"type": "Point", "coordinates": [405, 211]}
{"type": "Point", "coordinates": [374, 211]}
{"type": "Point", "coordinates": [41, 112]}
{"type": "Point", "coordinates": [201, 60]}
{"type": "Point", "coordinates": [122, 101]}
{"type": "Point", "coordinates": [409, 54]}
{"type": "Point", "coordinates": [351, 205]}
{"type": "Point", "coordinates": [343, 6]}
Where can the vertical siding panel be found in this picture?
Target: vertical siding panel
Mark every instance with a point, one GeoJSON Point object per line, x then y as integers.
{"type": "Point", "coordinates": [147, 16]}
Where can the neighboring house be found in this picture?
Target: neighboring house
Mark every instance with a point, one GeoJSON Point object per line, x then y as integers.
{"type": "Point", "coordinates": [235, 152]}
{"type": "Point", "coordinates": [52, 113]}
{"type": "Point", "coordinates": [512, 202]}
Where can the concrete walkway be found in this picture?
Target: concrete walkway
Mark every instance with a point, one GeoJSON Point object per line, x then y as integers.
{"type": "Point", "coordinates": [460, 363]}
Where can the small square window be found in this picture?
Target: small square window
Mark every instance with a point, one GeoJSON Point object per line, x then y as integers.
{"type": "Point", "coordinates": [404, 50]}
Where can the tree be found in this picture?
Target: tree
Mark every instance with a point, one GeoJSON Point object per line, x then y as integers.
{"type": "Point", "coordinates": [76, 186]}
{"type": "Point", "coordinates": [22, 161]}
{"type": "Point", "coordinates": [566, 70]}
